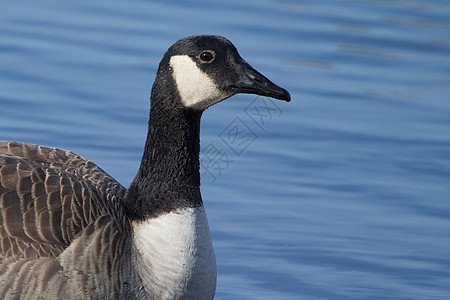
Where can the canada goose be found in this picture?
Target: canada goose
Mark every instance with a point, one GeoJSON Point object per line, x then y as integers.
{"type": "Point", "coordinates": [68, 230]}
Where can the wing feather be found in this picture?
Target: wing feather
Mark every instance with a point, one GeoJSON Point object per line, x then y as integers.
{"type": "Point", "coordinates": [47, 197]}
{"type": "Point", "coordinates": [63, 232]}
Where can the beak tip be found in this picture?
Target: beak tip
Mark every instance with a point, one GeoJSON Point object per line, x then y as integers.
{"type": "Point", "coordinates": [284, 96]}
{"type": "Point", "coordinates": [287, 96]}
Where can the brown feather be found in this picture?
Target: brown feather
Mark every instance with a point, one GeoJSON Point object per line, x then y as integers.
{"type": "Point", "coordinates": [59, 215]}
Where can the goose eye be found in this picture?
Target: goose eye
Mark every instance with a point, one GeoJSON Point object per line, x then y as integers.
{"type": "Point", "coordinates": [206, 56]}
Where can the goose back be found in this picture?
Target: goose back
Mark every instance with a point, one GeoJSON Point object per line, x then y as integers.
{"type": "Point", "coordinates": [59, 211]}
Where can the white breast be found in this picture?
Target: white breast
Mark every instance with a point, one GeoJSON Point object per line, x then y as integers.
{"type": "Point", "coordinates": [175, 257]}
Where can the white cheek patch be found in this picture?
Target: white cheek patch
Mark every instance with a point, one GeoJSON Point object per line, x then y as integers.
{"type": "Point", "coordinates": [196, 88]}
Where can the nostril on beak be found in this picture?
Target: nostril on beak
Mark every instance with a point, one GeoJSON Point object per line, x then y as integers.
{"type": "Point", "coordinates": [260, 81]}
{"type": "Point", "coordinates": [256, 77]}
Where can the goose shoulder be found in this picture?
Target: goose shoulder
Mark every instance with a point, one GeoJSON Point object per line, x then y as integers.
{"type": "Point", "coordinates": [52, 203]}
{"type": "Point", "coordinates": [47, 196]}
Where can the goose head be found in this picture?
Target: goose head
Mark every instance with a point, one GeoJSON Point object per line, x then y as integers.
{"type": "Point", "coordinates": [207, 69]}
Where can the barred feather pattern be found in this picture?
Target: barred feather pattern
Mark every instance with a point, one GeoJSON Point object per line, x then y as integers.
{"type": "Point", "coordinates": [61, 226]}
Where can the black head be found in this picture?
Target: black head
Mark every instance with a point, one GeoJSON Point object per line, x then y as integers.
{"type": "Point", "coordinates": [207, 69]}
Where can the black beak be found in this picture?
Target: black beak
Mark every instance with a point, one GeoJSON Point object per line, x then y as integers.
{"type": "Point", "coordinates": [253, 82]}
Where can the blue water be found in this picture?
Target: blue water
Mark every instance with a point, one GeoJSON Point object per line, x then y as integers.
{"type": "Point", "coordinates": [342, 193]}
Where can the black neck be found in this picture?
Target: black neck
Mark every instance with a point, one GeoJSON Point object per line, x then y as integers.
{"type": "Point", "coordinates": [169, 175]}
